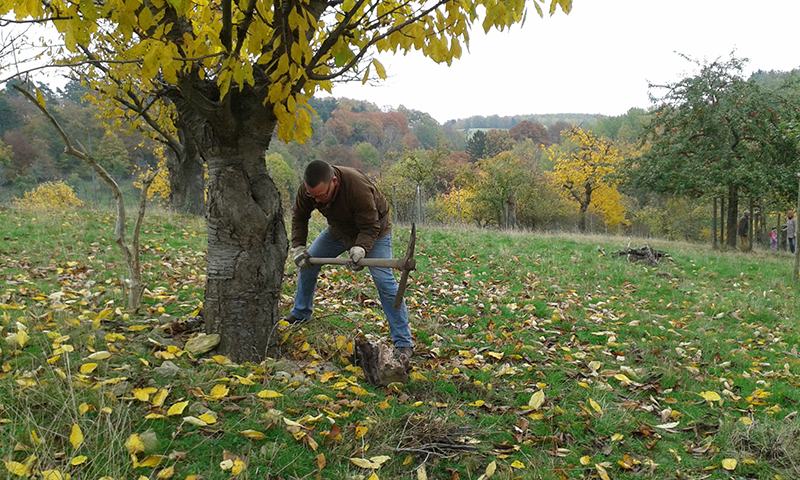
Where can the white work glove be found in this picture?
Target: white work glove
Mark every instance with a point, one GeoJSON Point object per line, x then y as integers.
{"type": "Point", "coordinates": [356, 254]}
{"type": "Point", "coordinates": [301, 257]}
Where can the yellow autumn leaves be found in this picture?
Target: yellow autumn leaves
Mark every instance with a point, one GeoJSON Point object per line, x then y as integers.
{"type": "Point", "coordinates": [48, 196]}
{"type": "Point", "coordinates": [19, 338]}
{"type": "Point", "coordinates": [585, 175]}
{"type": "Point", "coordinates": [29, 467]}
{"type": "Point", "coordinates": [372, 463]}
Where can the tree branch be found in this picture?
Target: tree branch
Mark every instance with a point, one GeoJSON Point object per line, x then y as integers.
{"type": "Point", "coordinates": [342, 27]}
{"type": "Point", "coordinates": [131, 255]}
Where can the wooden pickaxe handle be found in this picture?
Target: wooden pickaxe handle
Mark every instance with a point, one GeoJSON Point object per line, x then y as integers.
{"type": "Point", "coordinates": [396, 263]}
{"type": "Point", "coordinates": [405, 264]}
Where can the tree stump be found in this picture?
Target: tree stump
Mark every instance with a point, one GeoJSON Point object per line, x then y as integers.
{"type": "Point", "coordinates": [380, 364]}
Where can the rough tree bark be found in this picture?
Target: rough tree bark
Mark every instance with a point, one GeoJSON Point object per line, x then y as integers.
{"type": "Point", "coordinates": [247, 240]}
{"type": "Point", "coordinates": [186, 177]}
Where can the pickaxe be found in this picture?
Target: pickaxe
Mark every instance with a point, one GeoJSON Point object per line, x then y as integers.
{"type": "Point", "coordinates": [406, 264]}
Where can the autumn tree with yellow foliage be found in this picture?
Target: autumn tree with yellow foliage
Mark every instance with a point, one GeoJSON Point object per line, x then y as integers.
{"type": "Point", "coordinates": [584, 176]}
{"type": "Point", "coordinates": [235, 72]}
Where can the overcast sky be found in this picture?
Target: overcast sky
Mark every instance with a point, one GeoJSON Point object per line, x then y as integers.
{"type": "Point", "coordinates": [598, 59]}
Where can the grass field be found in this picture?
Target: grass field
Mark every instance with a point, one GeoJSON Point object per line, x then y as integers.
{"type": "Point", "coordinates": [538, 357]}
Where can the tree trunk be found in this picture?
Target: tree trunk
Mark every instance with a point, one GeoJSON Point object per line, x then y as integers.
{"type": "Point", "coordinates": [247, 247]}
{"type": "Point", "coordinates": [247, 240]}
{"type": "Point", "coordinates": [582, 218]}
{"type": "Point", "coordinates": [511, 209]}
{"type": "Point", "coordinates": [186, 178]}
{"type": "Point", "coordinates": [714, 224]}
{"type": "Point", "coordinates": [721, 221]}
{"type": "Point", "coordinates": [733, 219]}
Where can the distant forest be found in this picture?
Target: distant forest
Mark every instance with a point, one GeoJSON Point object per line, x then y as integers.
{"type": "Point", "coordinates": [504, 171]}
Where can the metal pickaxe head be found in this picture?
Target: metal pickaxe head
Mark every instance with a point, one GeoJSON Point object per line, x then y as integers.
{"type": "Point", "coordinates": [411, 264]}
{"type": "Point", "coordinates": [405, 264]}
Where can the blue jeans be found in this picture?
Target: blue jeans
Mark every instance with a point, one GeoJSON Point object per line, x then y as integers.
{"type": "Point", "coordinates": [325, 246]}
{"type": "Point", "coordinates": [792, 243]}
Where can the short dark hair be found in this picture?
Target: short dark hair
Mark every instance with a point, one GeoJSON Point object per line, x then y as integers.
{"type": "Point", "coordinates": [317, 172]}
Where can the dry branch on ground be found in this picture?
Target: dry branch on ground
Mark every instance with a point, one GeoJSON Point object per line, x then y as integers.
{"type": "Point", "coordinates": [644, 253]}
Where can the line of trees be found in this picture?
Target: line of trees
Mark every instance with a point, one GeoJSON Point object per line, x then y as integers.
{"type": "Point", "coordinates": [645, 172]}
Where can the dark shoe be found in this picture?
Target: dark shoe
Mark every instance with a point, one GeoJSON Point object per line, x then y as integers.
{"type": "Point", "coordinates": [292, 320]}
{"type": "Point", "coordinates": [404, 352]}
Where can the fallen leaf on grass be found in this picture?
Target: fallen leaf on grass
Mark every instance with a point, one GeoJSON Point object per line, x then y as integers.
{"type": "Point", "coordinates": [537, 399]}
{"type": "Point", "coordinates": [601, 472]}
{"type": "Point", "coordinates": [195, 421]}
{"type": "Point", "coordinates": [668, 426]}
{"type": "Point", "coordinates": [269, 394]}
{"type": "Point", "coordinates": [18, 469]}
{"type": "Point", "coordinates": [134, 444]}
{"type": "Point", "coordinates": [177, 408]}
{"type": "Point", "coordinates": [291, 423]}
{"type": "Point", "coordinates": [627, 462]}
{"type": "Point", "coordinates": [149, 461]}
{"type": "Point", "coordinates": [88, 368]}
{"type": "Point", "coordinates": [490, 469]}
{"type": "Point", "coordinates": [711, 396]}
{"type": "Point", "coordinates": [208, 418]}
{"type": "Point", "coordinates": [76, 437]}
{"type": "Point", "coordinates": [53, 475]}
{"type": "Point", "coordinates": [373, 463]}
{"type": "Point", "coordinates": [422, 474]}
{"type": "Point", "coordinates": [235, 463]}
{"type": "Point", "coordinates": [101, 355]}
{"type": "Point", "coordinates": [623, 379]}
{"type": "Point", "coordinates": [159, 397]}
{"type": "Point", "coordinates": [143, 394]}
{"type": "Point", "coordinates": [729, 463]}
{"type": "Point", "coordinates": [166, 473]}
{"type": "Point", "coordinates": [218, 392]}
{"type": "Point", "coordinates": [253, 434]}
{"type": "Point", "coordinates": [675, 453]}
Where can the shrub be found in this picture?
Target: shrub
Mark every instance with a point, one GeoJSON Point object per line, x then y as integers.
{"type": "Point", "coordinates": [49, 196]}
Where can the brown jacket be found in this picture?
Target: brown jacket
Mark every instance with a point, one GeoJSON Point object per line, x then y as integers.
{"type": "Point", "coordinates": [358, 214]}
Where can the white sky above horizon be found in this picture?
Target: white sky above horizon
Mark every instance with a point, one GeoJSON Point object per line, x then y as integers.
{"type": "Point", "coordinates": [599, 59]}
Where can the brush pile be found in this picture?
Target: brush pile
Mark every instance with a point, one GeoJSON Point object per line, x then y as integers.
{"type": "Point", "coordinates": [646, 254]}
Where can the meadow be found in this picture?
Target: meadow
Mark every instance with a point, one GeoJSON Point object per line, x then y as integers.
{"type": "Point", "coordinates": [539, 356]}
